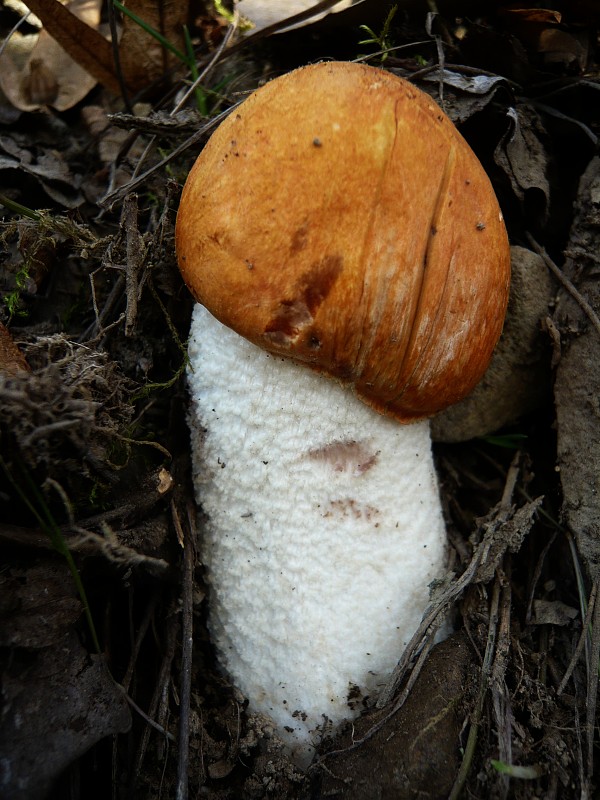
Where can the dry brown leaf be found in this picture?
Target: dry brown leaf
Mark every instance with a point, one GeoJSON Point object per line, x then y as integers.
{"type": "Point", "coordinates": [71, 25]}
{"type": "Point", "coordinates": [110, 143]}
{"type": "Point", "coordinates": [263, 13]}
{"type": "Point", "coordinates": [39, 70]}
{"type": "Point", "coordinates": [541, 31]}
{"type": "Point", "coordinates": [110, 139]}
{"type": "Point", "coordinates": [12, 359]}
{"type": "Point", "coordinates": [143, 58]}
{"type": "Point", "coordinates": [571, 49]}
{"type": "Point", "coordinates": [521, 155]}
{"type": "Point", "coordinates": [553, 612]}
{"type": "Point", "coordinates": [46, 165]}
{"type": "Point", "coordinates": [529, 15]}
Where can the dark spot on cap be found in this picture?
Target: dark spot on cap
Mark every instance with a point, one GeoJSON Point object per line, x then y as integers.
{"type": "Point", "coordinates": [294, 315]}
{"type": "Point", "coordinates": [342, 370]}
{"type": "Point", "coordinates": [290, 318]}
{"type": "Point", "coordinates": [319, 281]}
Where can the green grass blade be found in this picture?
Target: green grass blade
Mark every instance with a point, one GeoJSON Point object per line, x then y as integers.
{"type": "Point", "coordinates": [153, 32]}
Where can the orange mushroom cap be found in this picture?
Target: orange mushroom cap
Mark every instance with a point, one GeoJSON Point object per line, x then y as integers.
{"type": "Point", "coordinates": [339, 219]}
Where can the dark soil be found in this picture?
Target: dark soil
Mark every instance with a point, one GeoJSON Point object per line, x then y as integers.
{"type": "Point", "coordinates": [102, 694]}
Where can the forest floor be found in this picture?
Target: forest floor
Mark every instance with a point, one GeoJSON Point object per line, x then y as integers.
{"type": "Point", "coordinates": [103, 692]}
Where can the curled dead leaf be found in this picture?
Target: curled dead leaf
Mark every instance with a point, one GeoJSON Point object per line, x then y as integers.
{"type": "Point", "coordinates": [39, 87]}
{"type": "Point", "coordinates": [165, 481]}
{"type": "Point", "coordinates": [35, 70]}
{"type": "Point", "coordinates": [553, 612]}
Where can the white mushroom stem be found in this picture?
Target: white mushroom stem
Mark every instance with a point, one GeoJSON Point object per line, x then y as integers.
{"type": "Point", "coordinates": [323, 531]}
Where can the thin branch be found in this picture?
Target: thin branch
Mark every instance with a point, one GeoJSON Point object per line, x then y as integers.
{"type": "Point", "coordinates": [215, 58]}
{"type": "Point", "coordinates": [13, 30]}
{"type": "Point", "coordinates": [500, 696]}
{"type": "Point", "coordinates": [484, 679]}
{"type": "Point", "coordinates": [156, 702]}
{"type": "Point", "coordinates": [566, 283]}
{"type": "Point", "coordinates": [185, 535]}
{"type": "Point", "coordinates": [582, 640]}
{"type": "Point", "coordinates": [592, 689]}
{"type": "Point", "coordinates": [167, 734]}
{"type": "Point", "coordinates": [120, 193]}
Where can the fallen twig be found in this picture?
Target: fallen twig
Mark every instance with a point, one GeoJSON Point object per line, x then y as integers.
{"type": "Point", "coordinates": [185, 535]}
{"type": "Point", "coordinates": [566, 283]}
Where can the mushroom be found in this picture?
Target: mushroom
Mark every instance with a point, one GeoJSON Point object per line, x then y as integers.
{"type": "Point", "coordinates": [335, 220]}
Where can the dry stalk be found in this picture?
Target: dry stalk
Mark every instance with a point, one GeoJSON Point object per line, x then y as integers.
{"type": "Point", "coordinates": [483, 687]}
{"type": "Point", "coordinates": [156, 702]}
{"type": "Point", "coordinates": [592, 692]}
{"type": "Point", "coordinates": [187, 537]}
{"type": "Point", "coordinates": [566, 283]}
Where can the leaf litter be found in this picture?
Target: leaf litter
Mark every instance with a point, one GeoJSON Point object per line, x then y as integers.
{"type": "Point", "coordinates": [505, 706]}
